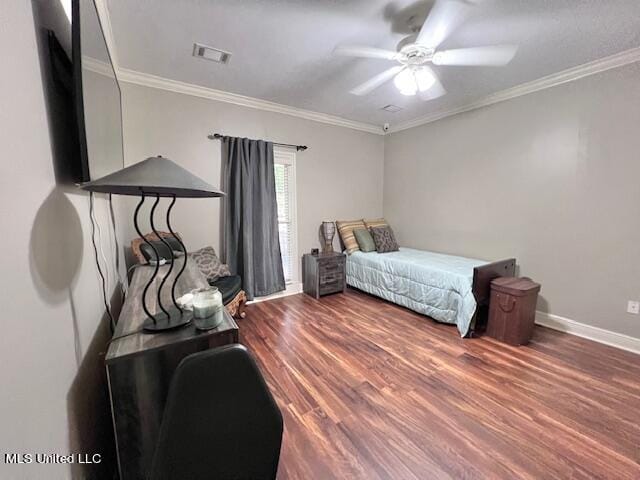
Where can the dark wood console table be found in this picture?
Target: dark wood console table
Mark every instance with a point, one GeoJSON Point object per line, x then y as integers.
{"type": "Point", "coordinates": [140, 366]}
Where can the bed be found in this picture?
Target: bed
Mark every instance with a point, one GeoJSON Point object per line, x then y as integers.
{"type": "Point", "coordinates": [447, 288]}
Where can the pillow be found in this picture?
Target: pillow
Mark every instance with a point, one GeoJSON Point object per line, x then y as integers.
{"type": "Point", "coordinates": [384, 239]}
{"type": "Point", "coordinates": [161, 248]}
{"type": "Point", "coordinates": [364, 239]}
{"type": "Point", "coordinates": [345, 229]}
{"type": "Point", "coordinates": [209, 264]}
{"type": "Point", "coordinates": [378, 222]}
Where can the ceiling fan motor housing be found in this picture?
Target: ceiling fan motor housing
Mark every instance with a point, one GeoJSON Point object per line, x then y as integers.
{"type": "Point", "coordinates": [415, 54]}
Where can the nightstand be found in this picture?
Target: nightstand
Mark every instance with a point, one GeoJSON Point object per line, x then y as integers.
{"type": "Point", "coordinates": [324, 273]}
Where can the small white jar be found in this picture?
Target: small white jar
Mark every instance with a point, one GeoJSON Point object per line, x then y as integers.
{"type": "Point", "coordinates": [206, 302]}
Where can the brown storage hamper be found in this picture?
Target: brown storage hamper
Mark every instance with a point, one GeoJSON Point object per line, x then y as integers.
{"type": "Point", "coordinates": [512, 309]}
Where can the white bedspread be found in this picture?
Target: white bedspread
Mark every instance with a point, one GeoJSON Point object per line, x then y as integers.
{"type": "Point", "coordinates": [430, 283]}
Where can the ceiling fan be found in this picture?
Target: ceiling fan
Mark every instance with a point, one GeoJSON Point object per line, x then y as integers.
{"type": "Point", "coordinates": [413, 75]}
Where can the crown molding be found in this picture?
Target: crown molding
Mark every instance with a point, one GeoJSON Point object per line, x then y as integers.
{"type": "Point", "coordinates": [97, 66]}
{"type": "Point", "coordinates": [575, 73]}
{"type": "Point", "coordinates": [153, 81]}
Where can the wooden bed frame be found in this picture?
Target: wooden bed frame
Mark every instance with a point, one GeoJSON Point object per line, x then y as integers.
{"type": "Point", "coordinates": [481, 288]}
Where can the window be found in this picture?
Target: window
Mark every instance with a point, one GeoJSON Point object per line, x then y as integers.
{"type": "Point", "coordinates": [285, 173]}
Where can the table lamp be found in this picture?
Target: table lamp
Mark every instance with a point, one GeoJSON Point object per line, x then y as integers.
{"type": "Point", "coordinates": [157, 177]}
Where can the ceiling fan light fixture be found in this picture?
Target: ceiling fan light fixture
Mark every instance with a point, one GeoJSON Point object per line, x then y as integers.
{"type": "Point", "coordinates": [424, 79]}
{"type": "Point", "coordinates": [406, 83]}
{"type": "Point", "coordinates": [413, 80]}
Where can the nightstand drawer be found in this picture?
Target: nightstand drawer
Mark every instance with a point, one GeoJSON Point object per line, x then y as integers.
{"type": "Point", "coordinates": [332, 287]}
{"type": "Point", "coordinates": [331, 277]}
{"type": "Point", "coordinates": [331, 268]}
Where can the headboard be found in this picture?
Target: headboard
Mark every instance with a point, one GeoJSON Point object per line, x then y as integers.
{"type": "Point", "coordinates": [481, 289]}
{"type": "Point", "coordinates": [483, 275]}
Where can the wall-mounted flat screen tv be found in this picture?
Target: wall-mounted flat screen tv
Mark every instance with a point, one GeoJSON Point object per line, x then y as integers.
{"type": "Point", "coordinates": [85, 100]}
{"type": "Point", "coordinates": [97, 94]}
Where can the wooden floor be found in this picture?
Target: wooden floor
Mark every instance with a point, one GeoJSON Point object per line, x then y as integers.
{"type": "Point", "coordinates": [370, 390]}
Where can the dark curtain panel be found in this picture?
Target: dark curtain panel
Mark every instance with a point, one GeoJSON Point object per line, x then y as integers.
{"type": "Point", "coordinates": [250, 215]}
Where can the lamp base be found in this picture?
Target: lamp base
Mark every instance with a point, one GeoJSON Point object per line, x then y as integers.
{"type": "Point", "coordinates": [164, 322]}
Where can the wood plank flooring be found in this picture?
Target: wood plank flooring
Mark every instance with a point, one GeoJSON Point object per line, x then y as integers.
{"type": "Point", "coordinates": [369, 390]}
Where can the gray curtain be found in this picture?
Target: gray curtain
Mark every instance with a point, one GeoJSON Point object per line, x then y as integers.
{"type": "Point", "coordinates": [250, 215]}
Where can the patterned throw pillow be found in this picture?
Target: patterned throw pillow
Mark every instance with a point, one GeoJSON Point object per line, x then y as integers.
{"type": "Point", "coordinates": [345, 229]}
{"type": "Point", "coordinates": [384, 239]}
{"type": "Point", "coordinates": [364, 239]}
{"type": "Point", "coordinates": [209, 264]}
{"type": "Point", "coordinates": [378, 222]}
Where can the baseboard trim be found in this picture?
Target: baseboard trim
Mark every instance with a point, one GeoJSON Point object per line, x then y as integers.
{"type": "Point", "coordinates": [600, 335]}
{"type": "Point", "coordinates": [292, 289]}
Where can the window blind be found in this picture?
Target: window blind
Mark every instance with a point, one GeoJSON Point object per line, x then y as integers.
{"type": "Point", "coordinates": [285, 197]}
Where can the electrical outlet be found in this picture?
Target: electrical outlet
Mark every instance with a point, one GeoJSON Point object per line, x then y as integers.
{"type": "Point", "coordinates": [633, 307]}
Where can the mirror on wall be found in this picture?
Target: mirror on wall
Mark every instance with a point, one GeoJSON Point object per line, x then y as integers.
{"type": "Point", "coordinates": [101, 95]}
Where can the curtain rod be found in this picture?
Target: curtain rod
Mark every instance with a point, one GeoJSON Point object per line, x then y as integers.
{"type": "Point", "coordinates": [217, 136]}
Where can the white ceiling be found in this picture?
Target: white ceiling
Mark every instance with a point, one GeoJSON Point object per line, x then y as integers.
{"type": "Point", "coordinates": [282, 49]}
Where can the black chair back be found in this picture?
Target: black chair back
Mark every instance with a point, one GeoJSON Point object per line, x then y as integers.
{"type": "Point", "coordinates": [220, 422]}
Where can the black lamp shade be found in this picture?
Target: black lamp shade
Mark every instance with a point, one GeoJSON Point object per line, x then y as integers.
{"type": "Point", "coordinates": [154, 176]}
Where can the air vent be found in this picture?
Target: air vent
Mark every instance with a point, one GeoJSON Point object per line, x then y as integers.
{"type": "Point", "coordinates": [210, 53]}
{"type": "Point", "coordinates": [391, 108]}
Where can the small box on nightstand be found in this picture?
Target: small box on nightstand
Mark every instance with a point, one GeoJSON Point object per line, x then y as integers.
{"type": "Point", "coordinates": [324, 273]}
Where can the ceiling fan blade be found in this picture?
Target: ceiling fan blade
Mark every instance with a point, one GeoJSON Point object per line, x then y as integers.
{"type": "Point", "coordinates": [435, 91]}
{"type": "Point", "coordinates": [364, 52]}
{"type": "Point", "coordinates": [373, 83]}
{"type": "Point", "coordinates": [495, 55]}
{"type": "Point", "coordinates": [444, 18]}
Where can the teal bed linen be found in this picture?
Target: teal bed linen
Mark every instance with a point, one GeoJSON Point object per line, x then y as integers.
{"type": "Point", "coordinates": [434, 284]}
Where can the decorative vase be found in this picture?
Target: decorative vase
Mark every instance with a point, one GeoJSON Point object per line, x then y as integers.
{"type": "Point", "coordinates": [328, 232]}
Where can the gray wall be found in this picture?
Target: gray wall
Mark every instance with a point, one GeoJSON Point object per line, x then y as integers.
{"type": "Point", "coordinates": [54, 399]}
{"type": "Point", "coordinates": [551, 178]}
{"type": "Point", "coordinates": [338, 177]}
